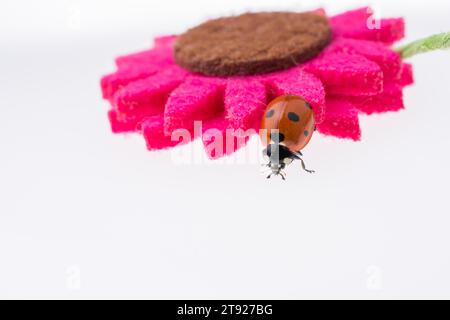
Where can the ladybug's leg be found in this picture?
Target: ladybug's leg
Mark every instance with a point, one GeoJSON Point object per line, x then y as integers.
{"type": "Point", "coordinates": [283, 175]}
{"type": "Point", "coordinates": [304, 166]}
{"type": "Point", "coordinates": [265, 165]}
{"type": "Point", "coordinates": [266, 156]}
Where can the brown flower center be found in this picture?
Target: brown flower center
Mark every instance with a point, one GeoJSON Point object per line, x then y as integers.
{"type": "Point", "coordinates": [252, 43]}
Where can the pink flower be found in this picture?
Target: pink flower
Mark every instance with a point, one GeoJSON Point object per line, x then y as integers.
{"type": "Point", "coordinates": [356, 73]}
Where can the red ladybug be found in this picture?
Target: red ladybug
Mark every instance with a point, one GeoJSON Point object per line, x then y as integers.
{"type": "Point", "coordinates": [288, 125]}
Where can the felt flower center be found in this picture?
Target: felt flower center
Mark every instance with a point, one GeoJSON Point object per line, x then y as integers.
{"type": "Point", "coordinates": [252, 43]}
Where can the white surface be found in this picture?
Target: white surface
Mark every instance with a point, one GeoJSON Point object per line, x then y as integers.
{"type": "Point", "coordinates": [88, 214]}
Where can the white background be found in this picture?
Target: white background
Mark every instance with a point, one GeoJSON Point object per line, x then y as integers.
{"type": "Point", "coordinates": [88, 214]}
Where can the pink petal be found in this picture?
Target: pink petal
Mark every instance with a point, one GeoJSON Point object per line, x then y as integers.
{"type": "Point", "coordinates": [153, 131]}
{"type": "Point", "coordinates": [341, 120]}
{"type": "Point", "coordinates": [159, 56]}
{"type": "Point", "coordinates": [389, 60]}
{"type": "Point", "coordinates": [391, 30]}
{"type": "Point", "coordinates": [111, 83]}
{"type": "Point", "coordinates": [121, 124]}
{"type": "Point", "coordinates": [221, 139]}
{"type": "Point", "coordinates": [197, 99]}
{"type": "Point", "coordinates": [391, 99]}
{"type": "Point", "coordinates": [347, 74]}
{"type": "Point", "coordinates": [148, 96]}
{"type": "Point", "coordinates": [406, 75]}
{"type": "Point", "coordinates": [165, 41]}
{"type": "Point", "coordinates": [245, 101]}
{"type": "Point", "coordinates": [360, 24]}
{"type": "Point", "coordinates": [298, 82]}
{"type": "Point", "coordinates": [135, 67]}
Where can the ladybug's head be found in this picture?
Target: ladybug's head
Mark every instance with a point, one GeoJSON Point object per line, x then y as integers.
{"type": "Point", "coordinates": [277, 157]}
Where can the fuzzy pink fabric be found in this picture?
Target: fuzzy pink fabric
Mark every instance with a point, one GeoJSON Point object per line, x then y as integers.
{"type": "Point", "coordinates": [298, 82]}
{"type": "Point", "coordinates": [196, 99]}
{"type": "Point", "coordinates": [347, 74]}
{"type": "Point", "coordinates": [153, 130]}
{"type": "Point", "coordinates": [341, 120]}
{"type": "Point", "coordinates": [148, 96]}
{"type": "Point", "coordinates": [357, 73]}
{"type": "Point", "coordinates": [244, 103]}
{"type": "Point", "coordinates": [358, 24]}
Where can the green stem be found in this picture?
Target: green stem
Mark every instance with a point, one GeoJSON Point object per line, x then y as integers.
{"type": "Point", "coordinates": [435, 42]}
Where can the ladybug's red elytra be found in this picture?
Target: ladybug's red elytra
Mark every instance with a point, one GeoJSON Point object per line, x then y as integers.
{"type": "Point", "coordinates": [287, 127]}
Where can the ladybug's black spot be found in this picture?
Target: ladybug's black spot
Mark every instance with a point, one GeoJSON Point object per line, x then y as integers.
{"type": "Point", "coordinates": [293, 117]}
{"type": "Point", "coordinates": [308, 105]}
{"type": "Point", "coordinates": [306, 133]}
{"type": "Point", "coordinates": [270, 113]}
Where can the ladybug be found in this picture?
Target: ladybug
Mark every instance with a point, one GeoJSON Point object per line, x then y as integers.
{"type": "Point", "coordinates": [288, 125]}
